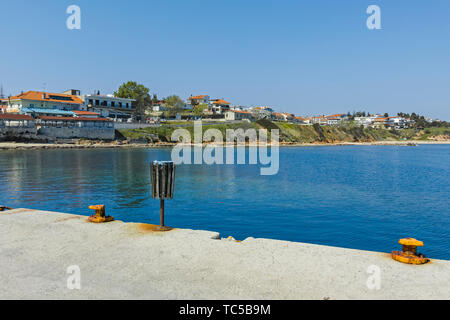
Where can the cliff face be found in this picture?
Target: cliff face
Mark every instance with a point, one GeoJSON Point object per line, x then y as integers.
{"type": "Point", "coordinates": [294, 133]}
{"type": "Point", "coordinates": [328, 134]}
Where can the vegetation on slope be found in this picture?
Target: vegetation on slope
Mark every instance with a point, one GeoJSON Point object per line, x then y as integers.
{"type": "Point", "coordinates": [294, 133]}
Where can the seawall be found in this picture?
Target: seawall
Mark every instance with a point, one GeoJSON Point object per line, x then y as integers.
{"type": "Point", "coordinates": [120, 260]}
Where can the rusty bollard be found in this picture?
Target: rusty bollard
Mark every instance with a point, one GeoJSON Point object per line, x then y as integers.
{"type": "Point", "coordinates": [409, 252]}
{"type": "Point", "coordinates": [99, 216]}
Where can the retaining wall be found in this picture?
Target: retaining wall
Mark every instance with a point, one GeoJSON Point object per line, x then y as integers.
{"type": "Point", "coordinates": [125, 125]}
{"type": "Point", "coordinates": [73, 133]}
{"type": "Point", "coordinates": [17, 132]}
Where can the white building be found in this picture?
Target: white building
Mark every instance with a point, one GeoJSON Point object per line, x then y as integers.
{"type": "Point", "coordinates": [37, 101]}
{"type": "Point", "coordinates": [398, 122]}
{"type": "Point", "coordinates": [109, 106]}
{"type": "Point", "coordinates": [196, 100]}
{"type": "Point", "coordinates": [262, 112]}
{"type": "Point", "coordinates": [334, 121]}
{"type": "Point", "coordinates": [219, 106]}
{"type": "Point", "coordinates": [365, 121]}
{"type": "Point", "coordinates": [233, 115]}
{"type": "Point", "coordinates": [158, 108]}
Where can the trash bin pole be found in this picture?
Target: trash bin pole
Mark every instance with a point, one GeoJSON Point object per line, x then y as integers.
{"type": "Point", "coordinates": [157, 180]}
{"type": "Point", "coordinates": [161, 213]}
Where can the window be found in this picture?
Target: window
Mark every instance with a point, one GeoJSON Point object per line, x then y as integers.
{"type": "Point", "coordinates": [113, 104]}
{"type": "Point", "coordinates": [61, 98]}
{"type": "Point", "coordinates": [97, 102]}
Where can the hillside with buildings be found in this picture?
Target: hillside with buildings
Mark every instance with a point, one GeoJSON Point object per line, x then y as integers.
{"type": "Point", "coordinates": [132, 113]}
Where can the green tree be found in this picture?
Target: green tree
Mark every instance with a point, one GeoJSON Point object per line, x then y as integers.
{"type": "Point", "coordinates": [138, 92]}
{"type": "Point", "coordinates": [174, 105]}
{"type": "Point", "coordinates": [174, 101]}
{"type": "Point", "coordinates": [198, 109]}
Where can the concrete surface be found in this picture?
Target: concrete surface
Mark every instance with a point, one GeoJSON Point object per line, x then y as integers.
{"type": "Point", "coordinates": [130, 261]}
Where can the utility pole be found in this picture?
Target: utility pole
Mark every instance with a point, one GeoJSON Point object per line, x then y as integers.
{"type": "Point", "coordinates": [1, 92]}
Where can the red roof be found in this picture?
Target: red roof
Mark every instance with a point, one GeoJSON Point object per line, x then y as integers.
{"type": "Point", "coordinates": [197, 97]}
{"type": "Point", "coordinates": [239, 111]}
{"type": "Point", "coordinates": [13, 116]}
{"type": "Point", "coordinates": [220, 101]}
{"type": "Point", "coordinates": [336, 115]}
{"type": "Point", "coordinates": [52, 118]}
{"type": "Point", "coordinates": [86, 113]}
{"type": "Point", "coordinates": [47, 96]}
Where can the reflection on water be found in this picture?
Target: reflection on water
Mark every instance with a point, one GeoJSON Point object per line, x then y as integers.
{"type": "Point", "coordinates": [357, 197]}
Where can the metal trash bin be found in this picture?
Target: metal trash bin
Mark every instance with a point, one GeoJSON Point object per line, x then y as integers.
{"type": "Point", "coordinates": [162, 175]}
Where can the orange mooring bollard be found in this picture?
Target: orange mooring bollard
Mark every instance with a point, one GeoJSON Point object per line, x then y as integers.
{"type": "Point", "coordinates": [409, 252]}
{"type": "Point", "coordinates": [99, 216]}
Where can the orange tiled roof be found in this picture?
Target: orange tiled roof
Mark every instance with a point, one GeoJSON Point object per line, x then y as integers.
{"type": "Point", "coordinates": [51, 97]}
{"type": "Point", "coordinates": [86, 113]}
{"type": "Point", "coordinates": [198, 97]}
{"type": "Point", "coordinates": [220, 101]}
{"type": "Point", "coordinates": [336, 115]}
{"type": "Point", "coordinates": [12, 116]}
{"type": "Point", "coordinates": [239, 111]}
{"type": "Point", "coordinates": [380, 119]}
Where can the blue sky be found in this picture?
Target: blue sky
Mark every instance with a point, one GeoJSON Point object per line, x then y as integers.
{"type": "Point", "coordinates": [304, 57]}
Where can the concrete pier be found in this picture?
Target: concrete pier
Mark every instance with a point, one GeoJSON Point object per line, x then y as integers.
{"type": "Point", "coordinates": [120, 260]}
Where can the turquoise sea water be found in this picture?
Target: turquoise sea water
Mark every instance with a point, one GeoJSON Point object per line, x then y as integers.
{"type": "Point", "coordinates": [363, 197]}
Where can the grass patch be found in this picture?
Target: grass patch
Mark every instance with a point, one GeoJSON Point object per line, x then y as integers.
{"type": "Point", "coordinates": [294, 133]}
